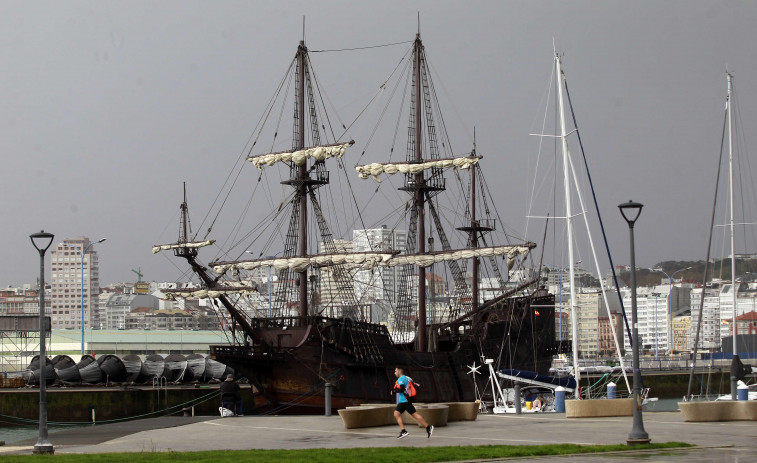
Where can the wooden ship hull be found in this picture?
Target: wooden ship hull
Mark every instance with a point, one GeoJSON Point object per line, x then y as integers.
{"type": "Point", "coordinates": [290, 376]}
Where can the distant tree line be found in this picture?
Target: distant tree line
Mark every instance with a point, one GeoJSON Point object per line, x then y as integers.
{"type": "Point", "coordinates": [746, 270]}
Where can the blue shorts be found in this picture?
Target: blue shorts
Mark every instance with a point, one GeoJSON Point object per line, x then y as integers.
{"type": "Point", "coordinates": [405, 407]}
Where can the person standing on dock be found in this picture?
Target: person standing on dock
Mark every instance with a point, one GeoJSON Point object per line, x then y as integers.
{"type": "Point", "coordinates": [405, 404]}
{"type": "Point", "coordinates": [231, 395]}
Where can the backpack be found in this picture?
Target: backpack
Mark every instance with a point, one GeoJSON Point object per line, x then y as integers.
{"type": "Point", "coordinates": [411, 390]}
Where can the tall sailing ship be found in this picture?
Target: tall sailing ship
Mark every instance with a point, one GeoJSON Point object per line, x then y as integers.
{"type": "Point", "coordinates": [309, 335]}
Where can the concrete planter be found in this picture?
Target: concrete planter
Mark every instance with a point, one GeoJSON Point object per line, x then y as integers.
{"type": "Point", "coordinates": [719, 410]}
{"type": "Point", "coordinates": [598, 407]}
{"type": "Point", "coordinates": [370, 415]}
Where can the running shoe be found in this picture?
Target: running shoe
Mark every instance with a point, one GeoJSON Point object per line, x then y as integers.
{"type": "Point", "coordinates": [403, 434]}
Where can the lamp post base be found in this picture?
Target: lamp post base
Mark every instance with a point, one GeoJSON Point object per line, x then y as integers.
{"type": "Point", "coordinates": [637, 441]}
{"type": "Point", "coordinates": [43, 449]}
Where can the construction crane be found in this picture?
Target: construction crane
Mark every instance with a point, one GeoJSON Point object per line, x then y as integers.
{"type": "Point", "coordinates": [139, 274]}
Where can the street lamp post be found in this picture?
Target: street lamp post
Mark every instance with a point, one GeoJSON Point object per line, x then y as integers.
{"type": "Point", "coordinates": [670, 303]}
{"type": "Point", "coordinates": [42, 242]}
{"type": "Point", "coordinates": [83, 253]}
{"type": "Point", "coordinates": [630, 212]}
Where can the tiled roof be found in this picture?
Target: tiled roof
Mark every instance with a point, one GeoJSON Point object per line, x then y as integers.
{"type": "Point", "coordinates": [749, 316]}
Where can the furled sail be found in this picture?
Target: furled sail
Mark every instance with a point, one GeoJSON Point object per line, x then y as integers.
{"type": "Point", "coordinates": [299, 157]}
{"type": "Point", "coordinates": [375, 169]}
{"type": "Point", "coordinates": [369, 260]}
{"type": "Point", "coordinates": [426, 260]}
{"type": "Point", "coordinates": [196, 293]}
{"type": "Point", "coordinates": [359, 260]}
{"type": "Point", "coordinates": [188, 244]}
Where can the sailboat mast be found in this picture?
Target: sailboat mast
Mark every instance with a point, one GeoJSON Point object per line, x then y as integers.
{"type": "Point", "coordinates": [730, 193]}
{"type": "Point", "coordinates": [303, 176]}
{"type": "Point", "coordinates": [729, 101]}
{"type": "Point", "coordinates": [419, 193]}
{"type": "Point", "coordinates": [569, 223]}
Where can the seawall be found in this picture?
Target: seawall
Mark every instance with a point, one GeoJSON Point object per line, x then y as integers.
{"type": "Point", "coordinates": [75, 405]}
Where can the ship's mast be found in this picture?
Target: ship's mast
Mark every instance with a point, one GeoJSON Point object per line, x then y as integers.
{"type": "Point", "coordinates": [303, 177]}
{"type": "Point", "coordinates": [474, 236]}
{"type": "Point", "coordinates": [419, 193]}
{"type": "Point", "coordinates": [190, 254]}
{"type": "Point", "coordinates": [184, 232]}
{"type": "Point", "coordinates": [473, 230]}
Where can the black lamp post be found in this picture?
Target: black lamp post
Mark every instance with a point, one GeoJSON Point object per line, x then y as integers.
{"type": "Point", "coordinates": [42, 242]}
{"type": "Point", "coordinates": [631, 212]}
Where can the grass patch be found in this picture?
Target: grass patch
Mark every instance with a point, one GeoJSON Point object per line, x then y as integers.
{"type": "Point", "coordinates": [374, 454]}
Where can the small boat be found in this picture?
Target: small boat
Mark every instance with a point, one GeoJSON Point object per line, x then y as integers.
{"type": "Point", "coordinates": [133, 364]}
{"type": "Point", "coordinates": [152, 367]}
{"type": "Point", "coordinates": [216, 370]}
{"type": "Point", "coordinates": [197, 365]}
{"type": "Point", "coordinates": [66, 370]}
{"type": "Point", "coordinates": [113, 368]}
{"type": "Point", "coordinates": [32, 374]}
{"type": "Point", "coordinates": [175, 368]}
{"type": "Point", "coordinates": [89, 370]}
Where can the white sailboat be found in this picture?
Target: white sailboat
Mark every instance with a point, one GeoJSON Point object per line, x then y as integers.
{"type": "Point", "coordinates": [570, 187]}
{"type": "Point", "coordinates": [738, 370]}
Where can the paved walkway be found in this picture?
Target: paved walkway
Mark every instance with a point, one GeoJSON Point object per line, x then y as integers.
{"type": "Point", "coordinates": [727, 441]}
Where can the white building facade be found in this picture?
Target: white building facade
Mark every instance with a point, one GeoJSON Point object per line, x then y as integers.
{"type": "Point", "coordinates": [70, 272]}
{"type": "Point", "coordinates": [378, 283]}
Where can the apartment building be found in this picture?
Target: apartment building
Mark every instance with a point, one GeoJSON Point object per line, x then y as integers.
{"type": "Point", "coordinates": [22, 301]}
{"type": "Point", "coordinates": [379, 283]}
{"type": "Point", "coordinates": [74, 283]}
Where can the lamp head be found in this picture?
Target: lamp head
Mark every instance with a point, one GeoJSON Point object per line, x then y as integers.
{"type": "Point", "coordinates": [630, 211]}
{"type": "Point", "coordinates": [42, 240]}
{"type": "Point", "coordinates": [101, 240]}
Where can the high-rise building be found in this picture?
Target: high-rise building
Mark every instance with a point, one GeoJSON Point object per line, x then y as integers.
{"type": "Point", "coordinates": [590, 307]}
{"type": "Point", "coordinates": [336, 289]}
{"type": "Point", "coordinates": [682, 337]}
{"type": "Point", "coordinates": [70, 272]}
{"type": "Point", "coordinates": [380, 283]}
{"type": "Point", "coordinates": [709, 336]}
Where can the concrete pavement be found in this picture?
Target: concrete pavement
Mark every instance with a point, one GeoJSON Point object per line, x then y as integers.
{"type": "Point", "coordinates": [721, 441]}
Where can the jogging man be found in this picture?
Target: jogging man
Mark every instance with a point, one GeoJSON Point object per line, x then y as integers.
{"type": "Point", "coordinates": [404, 404]}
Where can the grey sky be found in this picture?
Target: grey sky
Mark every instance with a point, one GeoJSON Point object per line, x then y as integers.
{"type": "Point", "coordinates": [108, 106]}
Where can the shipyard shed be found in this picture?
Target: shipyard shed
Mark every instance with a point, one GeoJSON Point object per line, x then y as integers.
{"type": "Point", "coordinates": [16, 356]}
{"type": "Point", "coordinates": [122, 342]}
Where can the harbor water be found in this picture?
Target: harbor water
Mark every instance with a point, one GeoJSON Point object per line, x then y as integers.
{"type": "Point", "coordinates": [11, 434]}
{"type": "Point", "coordinates": [662, 405]}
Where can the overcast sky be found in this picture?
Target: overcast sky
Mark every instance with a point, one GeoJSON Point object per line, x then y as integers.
{"type": "Point", "coordinates": [107, 107]}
